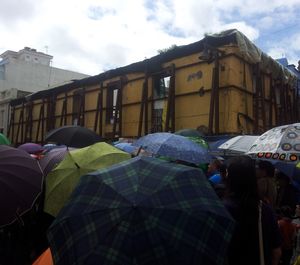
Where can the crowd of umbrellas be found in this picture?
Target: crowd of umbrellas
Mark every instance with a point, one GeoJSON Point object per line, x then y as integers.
{"type": "Point", "coordinates": [141, 201]}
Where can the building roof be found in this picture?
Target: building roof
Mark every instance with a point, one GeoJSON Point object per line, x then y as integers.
{"type": "Point", "coordinates": [248, 50]}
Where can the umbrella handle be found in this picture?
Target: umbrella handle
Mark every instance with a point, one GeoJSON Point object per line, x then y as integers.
{"type": "Point", "coordinates": [139, 150]}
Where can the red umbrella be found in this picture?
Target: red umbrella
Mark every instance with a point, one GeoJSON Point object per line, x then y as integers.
{"type": "Point", "coordinates": [20, 183]}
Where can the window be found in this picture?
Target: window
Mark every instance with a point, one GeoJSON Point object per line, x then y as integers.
{"type": "Point", "coordinates": [160, 92]}
{"type": "Point", "coordinates": [77, 101]}
{"type": "Point", "coordinates": [161, 87]}
{"type": "Point", "coordinates": [111, 103]}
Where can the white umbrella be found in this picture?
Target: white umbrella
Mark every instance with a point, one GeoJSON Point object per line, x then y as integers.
{"type": "Point", "coordinates": [238, 145]}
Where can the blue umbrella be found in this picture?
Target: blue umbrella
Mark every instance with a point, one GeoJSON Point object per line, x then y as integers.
{"type": "Point", "coordinates": [289, 169]}
{"type": "Point", "coordinates": [126, 147]}
{"type": "Point", "coordinates": [174, 146]}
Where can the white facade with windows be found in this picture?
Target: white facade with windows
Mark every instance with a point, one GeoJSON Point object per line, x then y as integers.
{"type": "Point", "coordinates": [30, 71]}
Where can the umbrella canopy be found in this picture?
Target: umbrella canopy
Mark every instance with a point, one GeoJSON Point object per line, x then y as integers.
{"type": "Point", "coordinates": [61, 181]}
{"type": "Point", "coordinates": [4, 139]}
{"type": "Point", "coordinates": [31, 148]}
{"type": "Point", "coordinates": [52, 158]}
{"type": "Point", "coordinates": [142, 211]}
{"type": "Point", "coordinates": [200, 141]}
{"type": "Point", "coordinates": [74, 136]}
{"type": "Point", "coordinates": [126, 147]}
{"type": "Point", "coordinates": [20, 183]}
{"type": "Point", "coordinates": [288, 169]}
{"type": "Point", "coordinates": [45, 258]}
{"type": "Point", "coordinates": [280, 144]}
{"type": "Point", "coordinates": [174, 146]}
{"type": "Point", "coordinates": [238, 145]}
{"type": "Point", "coordinates": [189, 133]}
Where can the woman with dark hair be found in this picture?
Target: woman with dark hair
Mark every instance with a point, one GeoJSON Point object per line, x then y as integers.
{"type": "Point", "coordinates": [244, 205]}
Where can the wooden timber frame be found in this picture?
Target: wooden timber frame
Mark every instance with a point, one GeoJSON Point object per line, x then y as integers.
{"type": "Point", "coordinates": [20, 126]}
{"type": "Point", "coordinates": [214, 98]}
{"type": "Point", "coordinates": [279, 100]}
{"type": "Point", "coordinates": [80, 93]}
{"type": "Point", "coordinates": [51, 107]}
{"type": "Point", "coordinates": [28, 122]}
{"type": "Point", "coordinates": [41, 123]}
{"type": "Point", "coordinates": [99, 112]}
{"type": "Point", "coordinates": [11, 128]}
{"type": "Point", "coordinates": [64, 111]}
{"type": "Point", "coordinates": [170, 116]}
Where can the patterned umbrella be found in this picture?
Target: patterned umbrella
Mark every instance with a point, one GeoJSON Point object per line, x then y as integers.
{"type": "Point", "coordinates": [74, 136]}
{"type": "Point", "coordinates": [174, 146]}
{"type": "Point", "coordinates": [52, 159]}
{"type": "Point", "coordinates": [278, 144]}
{"type": "Point", "coordinates": [61, 181]}
{"type": "Point", "coordinates": [200, 141]}
{"type": "Point", "coordinates": [142, 211]}
{"type": "Point", "coordinates": [4, 139]}
{"type": "Point", "coordinates": [20, 183]}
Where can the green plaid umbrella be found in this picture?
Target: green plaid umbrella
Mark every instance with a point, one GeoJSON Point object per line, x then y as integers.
{"type": "Point", "coordinates": [61, 181]}
{"type": "Point", "coordinates": [142, 211]}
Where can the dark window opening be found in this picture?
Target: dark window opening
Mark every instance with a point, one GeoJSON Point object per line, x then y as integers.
{"type": "Point", "coordinates": [161, 87]}
{"type": "Point", "coordinates": [77, 101]}
{"type": "Point", "coordinates": [111, 104]}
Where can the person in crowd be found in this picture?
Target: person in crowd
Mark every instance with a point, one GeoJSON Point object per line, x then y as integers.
{"type": "Point", "coordinates": [286, 193]}
{"type": "Point", "coordinates": [288, 233]}
{"type": "Point", "coordinates": [296, 221]}
{"type": "Point", "coordinates": [267, 190]}
{"type": "Point", "coordinates": [213, 171]}
{"type": "Point", "coordinates": [245, 207]}
{"type": "Point", "coordinates": [220, 188]}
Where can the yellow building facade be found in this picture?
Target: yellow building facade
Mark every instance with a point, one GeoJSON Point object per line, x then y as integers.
{"type": "Point", "coordinates": [222, 84]}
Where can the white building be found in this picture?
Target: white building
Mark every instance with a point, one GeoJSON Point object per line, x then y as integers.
{"type": "Point", "coordinates": [27, 71]}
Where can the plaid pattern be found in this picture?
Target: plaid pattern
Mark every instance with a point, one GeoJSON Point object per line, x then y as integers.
{"type": "Point", "coordinates": [142, 211]}
{"type": "Point", "coordinates": [52, 159]}
{"type": "Point", "coordinates": [174, 146]}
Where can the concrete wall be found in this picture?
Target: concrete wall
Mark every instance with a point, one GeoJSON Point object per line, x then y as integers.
{"type": "Point", "coordinates": [30, 71]}
{"type": "Point", "coordinates": [34, 77]}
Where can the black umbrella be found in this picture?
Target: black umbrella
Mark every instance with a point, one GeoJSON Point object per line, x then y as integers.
{"type": "Point", "coordinates": [74, 136]}
{"type": "Point", "coordinates": [20, 183]}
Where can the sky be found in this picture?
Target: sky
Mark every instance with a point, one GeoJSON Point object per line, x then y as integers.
{"type": "Point", "coordinates": [93, 36]}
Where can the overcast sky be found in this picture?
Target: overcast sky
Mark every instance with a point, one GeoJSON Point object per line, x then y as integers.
{"type": "Point", "coordinates": [92, 36]}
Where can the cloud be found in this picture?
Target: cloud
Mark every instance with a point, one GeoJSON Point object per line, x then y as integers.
{"type": "Point", "coordinates": [288, 48]}
{"type": "Point", "coordinates": [91, 36]}
{"type": "Point", "coordinates": [14, 11]}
